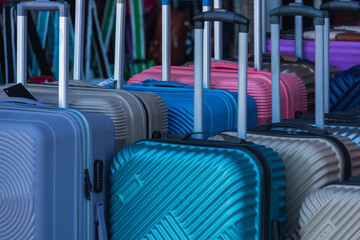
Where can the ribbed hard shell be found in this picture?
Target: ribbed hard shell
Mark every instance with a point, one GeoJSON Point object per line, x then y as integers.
{"type": "Point", "coordinates": [354, 152]}
{"type": "Point", "coordinates": [124, 109]}
{"type": "Point", "coordinates": [310, 163]}
{"type": "Point", "coordinates": [344, 89]}
{"type": "Point", "coordinates": [17, 174]}
{"type": "Point", "coordinates": [353, 133]}
{"type": "Point", "coordinates": [305, 73]}
{"type": "Point", "coordinates": [171, 191]}
{"type": "Point", "coordinates": [219, 108]}
{"type": "Point", "coordinates": [156, 111]}
{"type": "Point", "coordinates": [259, 87]}
{"type": "Point", "coordinates": [331, 213]}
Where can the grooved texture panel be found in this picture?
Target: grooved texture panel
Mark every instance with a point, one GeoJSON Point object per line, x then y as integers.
{"type": "Point", "coordinates": [331, 213]}
{"type": "Point", "coordinates": [17, 182]}
{"type": "Point", "coordinates": [170, 191]}
{"type": "Point", "coordinates": [310, 164]}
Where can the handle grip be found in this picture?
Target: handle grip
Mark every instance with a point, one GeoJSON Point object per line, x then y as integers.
{"type": "Point", "coordinates": [63, 8]}
{"type": "Point", "coordinates": [227, 17]}
{"type": "Point", "coordinates": [227, 138]}
{"type": "Point", "coordinates": [340, 5]}
{"type": "Point", "coordinates": [297, 10]}
{"type": "Point", "coordinates": [156, 83]}
{"type": "Point", "coordinates": [168, 2]}
{"type": "Point", "coordinates": [305, 127]}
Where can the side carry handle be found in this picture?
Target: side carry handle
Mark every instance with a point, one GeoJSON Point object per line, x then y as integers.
{"type": "Point", "coordinates": [228, 17]}
{"type": "Point", "coordinates": [282, 125]}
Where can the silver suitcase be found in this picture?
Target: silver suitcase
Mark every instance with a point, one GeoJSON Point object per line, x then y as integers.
{"type": "Point", "coordinates": [332, 212]}
{"type": "Point", "coordinates": [312, 159]}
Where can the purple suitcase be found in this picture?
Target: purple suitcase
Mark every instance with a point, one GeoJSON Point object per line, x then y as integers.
{"type": "Point", "coordinates": [343, 55]}
{"type": "Point", "coordinates": [54, 162]}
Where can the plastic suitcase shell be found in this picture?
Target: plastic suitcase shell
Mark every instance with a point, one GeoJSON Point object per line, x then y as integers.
{"type": "Point", "coordinates": [259, 87]}
{"type": "Point", "coordinates": [312, 159]}
{"type": "Point", "coordinates": [304, 156]}
{"type": "Point", "coordinates": [331, 213]}
{"type": "Point", "coordinates": [180, 104]}
{"type": "Point", "coordinates": [344, 89]}
{"type": "Point", "coordinates": [176, 178]}
{"type": "Point", "coordinates": [44, 153]}
{"type": "Point", "coordinates": [154, 106]}
{"type": "Point", "coordinates": [124, 109]}
{"type": "Point", "coordinates": [343, 55]}
{"type": "Point", "coordinates": [171, 178]}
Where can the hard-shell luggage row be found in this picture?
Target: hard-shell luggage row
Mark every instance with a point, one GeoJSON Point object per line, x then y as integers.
{"type": "Point", "coordinates": [257, 148]}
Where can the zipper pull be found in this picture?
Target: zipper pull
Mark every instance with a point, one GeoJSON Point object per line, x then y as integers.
{"type": "Point", "coordinates": [88, 187]}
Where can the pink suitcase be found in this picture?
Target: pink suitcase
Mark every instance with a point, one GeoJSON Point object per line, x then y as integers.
{"type": "Point", "coordinates": [224, 76]}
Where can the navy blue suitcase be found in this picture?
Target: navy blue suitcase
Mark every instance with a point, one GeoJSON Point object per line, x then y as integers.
{"type": "Point", "coordinates": [186, 188]}
{"type": "Point", "coordinates": [345, 86]}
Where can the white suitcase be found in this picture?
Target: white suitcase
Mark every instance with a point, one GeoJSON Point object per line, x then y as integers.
{"type": "Point", "coordinates": [332, 212]}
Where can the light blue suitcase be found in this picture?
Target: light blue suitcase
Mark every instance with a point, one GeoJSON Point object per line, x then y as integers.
{"type": "Point", "coordinates": [186, 188]}
{"type": "Point", "coordinates": [54, 162]}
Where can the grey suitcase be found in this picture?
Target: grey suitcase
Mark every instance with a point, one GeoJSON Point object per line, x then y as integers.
{"type": "Point", "coordinates": [127, 111]}
{"type": "Point", "coordinates": [312, 159]}
{"type": "Point", "coordinates": [155, 108]}
{"type": "Point", "coordinates": [332, 212]}
{"type": "Point", "coordinates": [53, 161]}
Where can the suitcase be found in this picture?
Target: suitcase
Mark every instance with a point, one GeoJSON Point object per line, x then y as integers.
{"type": "Point", "coordinates": [312, 158]}
{"type": "Point", "coordinates": [53, 161]}
{"type": "Point", "coordinates": [343, 55]}
{"type": "Point", "coordinates": [348, 37]}
{"type": "Point", "coordinates": [125, 109]}
{"type": "Point", "coordinates": [198, 189]}
{"type": "Point", "coordinates": [332, 212]}
{"type": "Point", "coordinates": [154, 115]}
{"type": "Point", "coordinates": [179, 99]}
{"type": "Point", "coordinates": [258, 87]}
{"type": "Point", "coordinates": [344, 87]}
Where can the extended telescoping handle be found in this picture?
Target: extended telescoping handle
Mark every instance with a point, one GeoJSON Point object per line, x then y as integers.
{"type": "Point", "coordinates": [63, 8]}
{"type": "Point", "coordinates": [119, 43]}
{"type": "Point", "coordinates": [166, 40]}
{"type": "Point", "coordinates": [332, 6]}
{"type": "Point", "coordinates": [79, 39]}
{"type": "Point", "coordinates": [319, 57]}
{"type": "Point", "coordinates": [228, 17]}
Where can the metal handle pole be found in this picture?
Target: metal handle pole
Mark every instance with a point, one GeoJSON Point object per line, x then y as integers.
{"type": "Point", "coordinates": [218, 34]}
{"type": "Point", "coordinates": [79, 40]}
{"type": "Point", "coordinates": [207, 51]}
{"type": "Point", "coordinates": [21, 50]}
{"type": "Point", "coordinates": [63, 61]}
{"type": "Point", "coordinates": [257, 35]}
{"type": "Point", "coordinates": [166, 41]}
{"type": "Point", "coordinates": [319, 76]}
{"type": "Point", "coordinates": [119, 43]}
{"type": "Point", "coordinates": [275, 72]}
{"type": "Point", "coordinates": [198, 81]}
{"type": "Point", "coordinates": [327, 65]}
{"type": "Point", "coordinates": [242, 85]}
{"type": "Point", "coordinates": [299, 34]}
